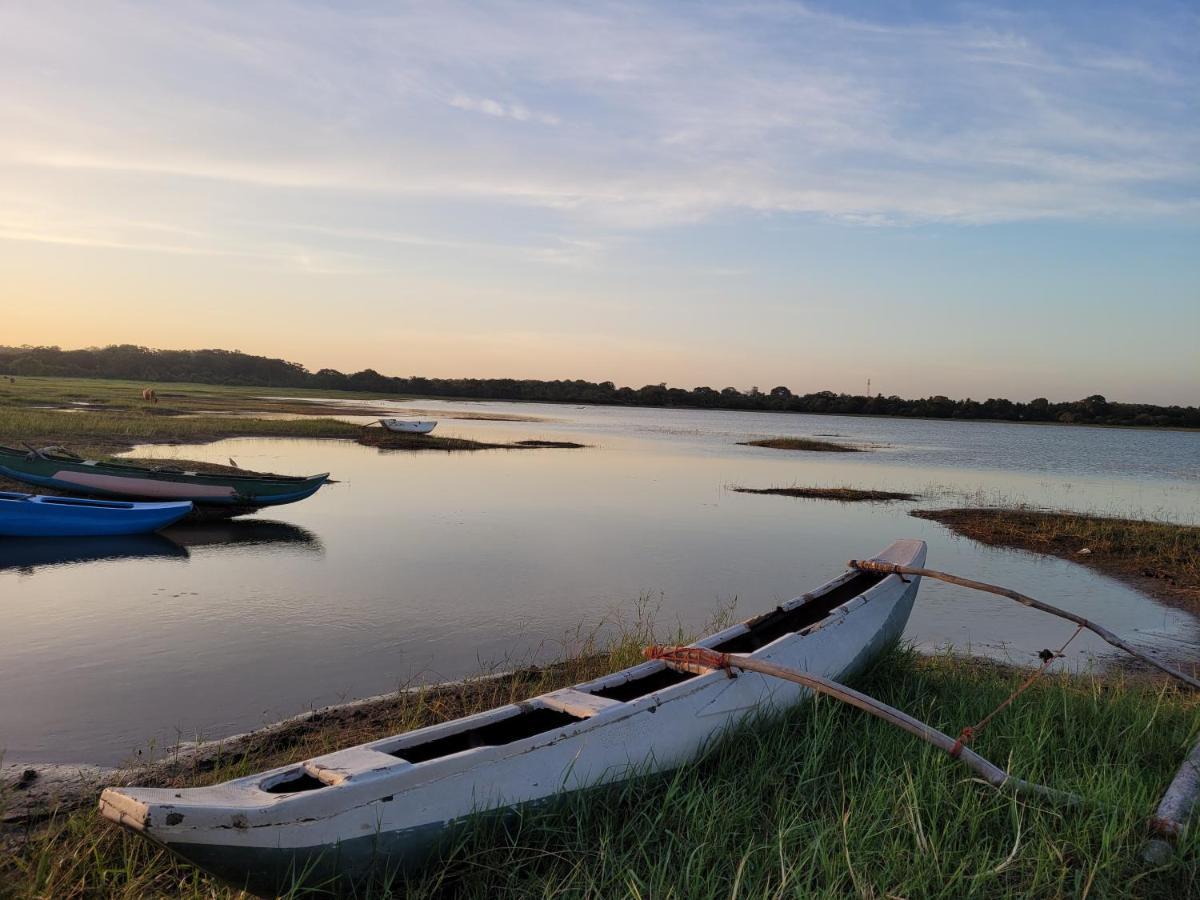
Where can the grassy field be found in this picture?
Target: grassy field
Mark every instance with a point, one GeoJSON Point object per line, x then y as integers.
{"type": "Point", "coordinates": [795, 443]}
{"type": "Point", "coordinates": [101, 418]}
{"type": "Point", "coordinates": [1163, 558]}
{"type": "Point", "coordinates": [41, 391]}
{"type": "Point", "coordinates": [840, 494]}
{"type": "Point", "coordinates": [824, 801]}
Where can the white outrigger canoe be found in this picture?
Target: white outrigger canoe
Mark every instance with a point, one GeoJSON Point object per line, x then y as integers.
{"type": "Point", "coordinates": [409, 426]}
{"type": "Point", "coordinates": [392, 802]}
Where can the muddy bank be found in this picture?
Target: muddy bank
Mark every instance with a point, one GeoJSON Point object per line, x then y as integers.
{"type": "Point", "coordinates": [1160, 558]}
{"type": "Point", "coordinates": [394, 440]}
{"type": "Point", "coordinates": [807, 444]}
{"type": "Point", "coordinates": [31, 792]}
{"type": "Point", "coordinates": [839, 494]}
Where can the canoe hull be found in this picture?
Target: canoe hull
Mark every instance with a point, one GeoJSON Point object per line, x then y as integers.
{"type": "Point", "coordinates": [26, 515]}
{"type": "Point", "coordinates": [371, 807]}
{"type": "Point", "coordinates": [127, 482]}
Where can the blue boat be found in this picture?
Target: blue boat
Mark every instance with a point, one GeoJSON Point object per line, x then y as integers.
{"type": "Point", "coordinates": [33, 515]}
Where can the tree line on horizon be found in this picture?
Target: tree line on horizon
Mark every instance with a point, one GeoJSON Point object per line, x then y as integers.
{"type": "Point", "coordinates": [232, 367]}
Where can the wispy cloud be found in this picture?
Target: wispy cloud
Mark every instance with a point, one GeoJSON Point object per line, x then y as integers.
{"type": "Point", "coordinates": [663, 115]}
{"type": "Point", "coordinates": [501, 110]}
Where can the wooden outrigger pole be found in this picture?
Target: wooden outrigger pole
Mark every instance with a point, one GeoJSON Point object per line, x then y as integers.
{"type": "Point", "coordinates": [701, 660]}
{"type": "Point", "coordinates": [870, 565]}
{"type": "Point", "coordinates": [1174, 812]}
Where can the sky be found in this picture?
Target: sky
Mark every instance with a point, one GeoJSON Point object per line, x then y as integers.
{"type": "Point", "coordinates": [961, 199]}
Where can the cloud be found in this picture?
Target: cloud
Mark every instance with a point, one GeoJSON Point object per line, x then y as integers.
{"type": "Point", "coordinates": [663, 115]}
{"type": "Point", "coordinates": [501, 110]}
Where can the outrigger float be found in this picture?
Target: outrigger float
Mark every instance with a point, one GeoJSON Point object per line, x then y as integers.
{"type": "Point", "coordinates": [392, 803]}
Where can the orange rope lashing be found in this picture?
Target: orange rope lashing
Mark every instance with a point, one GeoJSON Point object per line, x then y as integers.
{"type": "Point", "coordinates": [969, 731]}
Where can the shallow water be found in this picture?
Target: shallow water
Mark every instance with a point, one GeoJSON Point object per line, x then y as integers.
{"type": "Point", "coordinates": [427, 566]}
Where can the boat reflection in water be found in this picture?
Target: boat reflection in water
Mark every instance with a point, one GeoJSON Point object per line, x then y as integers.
{"type": "Point", "coordinates": [41, 552]}
{"type": "Point", "coordinates": [244, 533]}
{"type": "Point", "coordinates": [175, 543]}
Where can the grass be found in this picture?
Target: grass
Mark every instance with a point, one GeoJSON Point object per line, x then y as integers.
{"type": "Point", "coordinates": [795, 443]}
{"type": "Point", "coordinates": [828, 802]}
{"type": "Point", "coordinates": [117, 431]}
{"type": "Point", "coordinates": [822, 801]}
{"type": "Point", "coordinates": [101, 418]}
{"type": "Point", "coordinates": [1163, 558]}
{"type": "Point", "coordinates": [116, 392]}
{"type": "Point", "coordinates": [840, 494]}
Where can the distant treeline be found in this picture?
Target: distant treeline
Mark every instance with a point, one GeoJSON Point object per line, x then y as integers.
{"type": "Point", "coordinates": [236, 368]}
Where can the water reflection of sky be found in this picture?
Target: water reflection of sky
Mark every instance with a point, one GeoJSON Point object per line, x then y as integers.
{"type": "Point", "coordinates": [430, 565]}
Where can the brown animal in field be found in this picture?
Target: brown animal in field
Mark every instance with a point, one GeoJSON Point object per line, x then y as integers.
{"type": "Point", "coordinates": [149, 395]}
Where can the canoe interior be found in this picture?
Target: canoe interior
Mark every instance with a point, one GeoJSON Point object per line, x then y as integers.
{"type": "Point", "coordinates": [243, 492]}
{"type": "Point", "coordinates": [91, 504]}
{"type": "Point", "coordinates": [527, 722]}
{"type": "Point", "coordinates": [159, 472]}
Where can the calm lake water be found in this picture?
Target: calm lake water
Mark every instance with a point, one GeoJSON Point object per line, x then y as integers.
{"type": "Point", "coordinates": [430, 566]}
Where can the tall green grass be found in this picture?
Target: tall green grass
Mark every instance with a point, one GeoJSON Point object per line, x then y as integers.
{"type": "Point", "coordinates": [829, 802]}
{"type": "Point", "coordinates": [824, 801]}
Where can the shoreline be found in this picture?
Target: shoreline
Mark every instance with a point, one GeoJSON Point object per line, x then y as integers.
{"type": "Point", "coordinates": [1160, 559]}
{"type": "Point", "coordinates": [64, 787]}
{"type": "Point", "coordinates": [308, 395]}
{"type": "Point", "coordinates": [112, 418]}
{"type": "Point", "coordinates": [57, 844]}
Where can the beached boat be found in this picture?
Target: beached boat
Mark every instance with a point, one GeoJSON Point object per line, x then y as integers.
{"type": "Point", "coordinates": [409, 426]}
{"type": "Point", "coordinates": [31, 515]}
{"type": "Point", "coordinates": [394, 801]}
{"type": "Point", "coordinates": [57, 468]}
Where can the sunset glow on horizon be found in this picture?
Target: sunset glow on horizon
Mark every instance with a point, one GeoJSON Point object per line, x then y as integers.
{"type": "Point", "coordinates": [955, 199]}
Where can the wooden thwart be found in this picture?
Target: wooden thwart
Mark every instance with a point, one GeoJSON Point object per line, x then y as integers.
{"type": "Point", "coordinates": [702, 659]}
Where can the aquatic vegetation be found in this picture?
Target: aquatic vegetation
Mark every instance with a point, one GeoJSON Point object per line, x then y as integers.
{"type": "Point", "coordinates": [840, 494]}
{"type": "Point", "coordinates": [795, 443]}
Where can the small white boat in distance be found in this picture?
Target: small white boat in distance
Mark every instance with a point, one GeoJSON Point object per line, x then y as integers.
{"type": "Point", "coordinates": [409, 426]}
{"type": "Point", "coordinates": [395, 802]}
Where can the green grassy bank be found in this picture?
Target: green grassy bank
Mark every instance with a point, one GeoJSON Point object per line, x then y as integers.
{"type": "Point", "coordinates": [825, 801]}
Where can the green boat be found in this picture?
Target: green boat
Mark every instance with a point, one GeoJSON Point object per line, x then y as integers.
{"type": "Point", "coordinates": [55, 467]}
